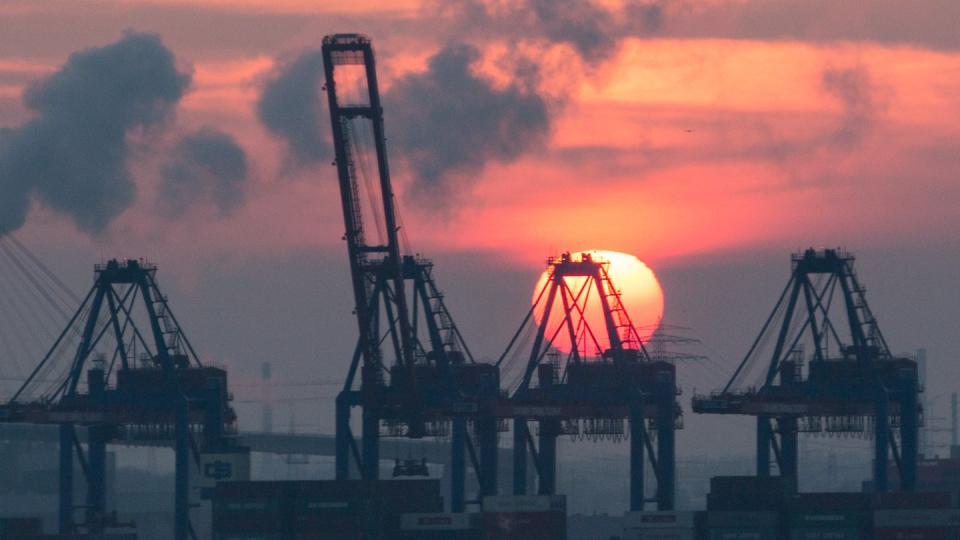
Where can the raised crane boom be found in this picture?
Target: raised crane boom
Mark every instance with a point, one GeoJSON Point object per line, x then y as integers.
{"type": "Point", "coordinates": [354, 49]}
{"type": "Point", "coordinates": [418, 377]}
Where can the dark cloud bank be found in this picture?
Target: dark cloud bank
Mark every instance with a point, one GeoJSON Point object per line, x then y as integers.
{"type": "Point", "coordinates": [207, 166]}
{"type": "Point", "coordinates": [445, 123]}
{"type": "Point", "coordinates": [291, 107]}
{"type": "Point", "coordinates": [73, 156]}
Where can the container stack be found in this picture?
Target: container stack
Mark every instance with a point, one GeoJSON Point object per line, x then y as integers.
{"type": "Point", "coordinates": [14, 527]}
{"type": "Point", "coordinates": [916, 516]}
{"type": "Point", "coordinates": [741, 507]}
{"type": "Point", "coordinates": [525, 517]}
{"type": "Point", "coordinates": [658, 526]}
{"type": "Point", "coordinates": [319, 509]}
{"type": "Point", "coordinates": [743, 525]}
{"type": "Point", "coordinates": [834, 516]}
{"type": "Point", "coordinates": [437, 526]}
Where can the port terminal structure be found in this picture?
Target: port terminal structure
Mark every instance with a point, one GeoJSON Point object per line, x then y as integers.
{"type": "Point", "coordinates": [124, 369]}
{"type": "Point", "coordinates": [851, 384]}
{"type": "Point", "coordinates": [595, 387]}
{"type": "Point", "coordinates": [417, 377]}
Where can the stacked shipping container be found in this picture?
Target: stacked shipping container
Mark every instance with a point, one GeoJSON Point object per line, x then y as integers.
{"type": "Point", "coordinates": [525, 517]}
{"type": "Point", "coordinates": [658, 526]}
{"type": "Point", "coordinates": [319, 510]}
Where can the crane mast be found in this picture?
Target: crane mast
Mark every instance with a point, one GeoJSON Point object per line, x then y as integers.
{"type": "Point", "coordinates": [352, 49]}
{"type": "Point", "coordinates": [431, 386]}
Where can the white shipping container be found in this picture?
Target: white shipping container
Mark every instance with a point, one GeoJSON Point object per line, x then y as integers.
{"type": "Point", "coordinates": [916, 518]}
{"type": "Point", "coordinates": [657, 520]}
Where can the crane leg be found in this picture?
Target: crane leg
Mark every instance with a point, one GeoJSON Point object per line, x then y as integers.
{"type": "Point", "coordinates": [458, 464]}
{"type": "Point", "coordinates": [96, 483]}
{"type": "Point", "coordinates": [881, 439]}
{"type": "Point", "coordinates": [487, 435]}
{"type": "Point", "coordinates": [370, 445]}
{"type": "Point", "coordinates": [637, 436]}
{"type": "Point", "coordinates": [342, 438]}
{"type": "Point", "coordinates": [764, 436]}
{"type": "Point", "coordinates": [549, 429]}
{"type": "Point", "coordinates": [909, 426]}
{"type": "Point", "coordinates": [520, 456]}
{"type": "Point", "coordinates": [66, 480]}
{"type": "Point", "coordinates": [666, 445]}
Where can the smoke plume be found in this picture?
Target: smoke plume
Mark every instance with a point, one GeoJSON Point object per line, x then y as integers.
{"type": "Point", "coordinates": [207, 167]}
{"type": "Point", "coordinates": [448, 123]}
{"type": "Point", "coordinates": [593, 29]}
{"type": "Point", "coordinates": [72, 156]}
{"type": "Point", "coordinates": [855, 92]}
{"type": "Point", "coordinates": [291, 107]}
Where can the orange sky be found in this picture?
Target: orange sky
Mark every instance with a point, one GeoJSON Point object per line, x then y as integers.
{"type": "Point", "coordinates": [672, 146]}
{"type": "Point", "coordinates": [710, 144]}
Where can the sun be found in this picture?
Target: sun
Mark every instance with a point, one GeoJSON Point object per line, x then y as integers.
{"type": "Point", "coordinates": [640, 293]}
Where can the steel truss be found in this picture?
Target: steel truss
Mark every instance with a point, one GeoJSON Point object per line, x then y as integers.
{"type": "Point", "coordinates": [852, 384]}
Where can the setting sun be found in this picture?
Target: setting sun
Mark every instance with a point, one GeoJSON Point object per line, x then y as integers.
{"type": "Point", "coordinates": [639, 291]}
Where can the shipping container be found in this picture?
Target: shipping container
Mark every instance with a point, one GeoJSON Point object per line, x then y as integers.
{"type": "Point", "coordinates": [827, 533]}
{"type": "Point", "coordinates": [21, 526]}
{"type": "Point", "coordinates": [743, 533]}
{"type": "Point", "coordinates": [659, 520]}
{"type": "Point", "coordinates": [442, 526]}
{"type": "Point", "coordinates": [534, 517]}
{"type": "Point", "coordinates": [833, 502]}
{"type": "Point", "coordinates": [106, 536]}
{"type": "Point", "coordinates": [250, 507]}
{"type": "Point", "coordinates": [321, 509]}
{"type": "Point", "coordinates": [824, 519]}
{"type": "Point", "coordinates": [658, 534]}
{"type": "Point", "coordinates": [943, 517]}
{"type": "Point", "coordinates": [916, 533]}
{"type": "Point", "coordinates": [768, 520]}
{"type": "Point", "coordinates": [915, 500]}
{"type": "Point", "coordinates": [773, 486]}
{"type": "Point", "coordinates": [248, 536]}
{"type": "Point", "coordinates": [525, 503]}
{"type": "Point", "coordinates": [525, 525]}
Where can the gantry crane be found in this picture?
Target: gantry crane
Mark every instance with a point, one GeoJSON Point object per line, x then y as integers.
{"type": "Point", "coordinates": [591, 391]}
{"type": "Point", "coordinates": [131, 374]}
{"type": "Point", "coordinates": [417, 376]}
{"type": "Point", "coordinates": [852, 384]}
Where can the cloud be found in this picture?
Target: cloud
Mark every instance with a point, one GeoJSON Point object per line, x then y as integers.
{"type": "Point", "coordinates": [72, 156]}
{"type": "Point", "coordinates": [448, 123]}
{"type": "Point", "coordinates": [291, 107]}
{"type": "Point", "coordinates": [208, 166]}
{"type": "Point", "coordinates": [593, 29]}
{"type": "Point", "coordinates": [853, 89]}
{"type": "Point", "coordinates": [580, 23]}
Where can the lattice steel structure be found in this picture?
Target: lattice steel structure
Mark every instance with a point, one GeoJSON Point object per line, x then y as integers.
{"type": "Point", "coordinates": [849, 384]}
{"type": "Point", "coordinates": [132, 374]}
{"type": "Point", "coordinates": [592, 390]}
{"type": "Point", "coordinates": [417, 376]}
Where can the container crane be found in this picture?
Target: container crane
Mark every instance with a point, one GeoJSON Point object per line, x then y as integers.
{"type": "Point", "coordinates": [591, 391]}
{"type": "Point", "coordinates": [131, 374]}
{"type": "Point", "coordinates": [417, 376]}
{"type": "Point", "coordinates": [852, 383]}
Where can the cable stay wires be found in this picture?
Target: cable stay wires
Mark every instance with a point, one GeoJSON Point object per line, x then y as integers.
{"type": "Point", "coordinates": [35, 306]}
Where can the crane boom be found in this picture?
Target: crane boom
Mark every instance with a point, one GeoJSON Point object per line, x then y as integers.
{"type": "Point", "coordinates": [355, 49]}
